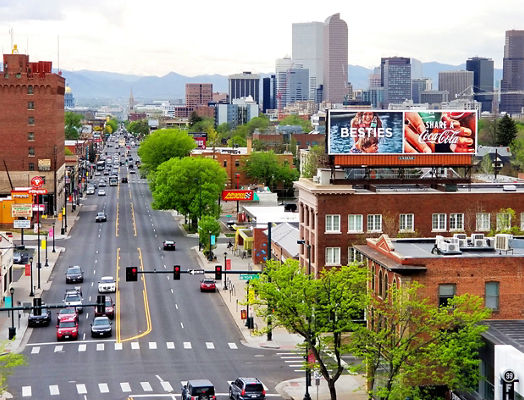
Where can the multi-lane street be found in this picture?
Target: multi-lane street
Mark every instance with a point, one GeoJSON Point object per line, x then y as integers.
{"type": "Point", "coordinates": [164, 331]}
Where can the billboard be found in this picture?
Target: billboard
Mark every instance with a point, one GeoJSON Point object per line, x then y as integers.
{"type": "Point", "coordinates": [237, 195]}
{"type": "Point", "coordinates": [370, 132]}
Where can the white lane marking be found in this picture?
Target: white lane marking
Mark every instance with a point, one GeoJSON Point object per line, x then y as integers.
{"type": "Point", "coordinates": [126, 387]}
{"type": "Point", "coordinates": [210, 345]}
{"type": "Point", "coordinates": [233, 346]}
{"type": "Point", "coordinates": [166, 386]}
{"type": "Point", "coordinates": [84, 336]}
{"type": "Point", "coordinates": [87, 315]}
{"type": "Point", "coordinates": [89, 298]}
{"type": "Point", "coordinates": [82, 347]}
{"type": "Point", "coordinates": [103, 388]}
{"type": "Point", "coordinates": [176, 306]}
{"type": "Point", "coordinates": [152, 345]}
{"type": "Point", "coordinates": [187, 345]}
{"type": "Point", "coordinates": [94, 273]}
{"type": "Point", "coordinates": [172, 291]}
{"type": "Point", "coordinates": [298, 370]}
{"type": "Point", "coordinates": [81, 388]}
{"type": "Point", "coordinates": [170, 345]}
{"type": "Point", "coordinates": [146, 386]}
{"type": "Point", "coordinates": [182, 325]}
{"type": "Point", "coordinates": [59, 348]}
{"type": "Point", "coordinates": [96, 261]}
{"type": "Point", "coordinates": [294, 365]}
{"type": "Point", "coordinates": [118, 346]}
{"type": "Point", "coordinates": [35, 350]}
{"type": "Point", "coordinates": [295, 357]}
{"type": "Point", "coordinates": [92, 283]}
{"type": "Point", "coordinates": [53, 390]}
{"type": "Point", "coordinates": [100, 347]}
{"type": "Point", "coordinates": [135, 345]}
{"type": "Point", "coordinates": [26, 391]}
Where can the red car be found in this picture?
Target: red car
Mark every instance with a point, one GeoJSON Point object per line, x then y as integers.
{"type": "Point", "coordinates": [67, 328]}
{"type": "Point", "coordinates": [208, 285]}
{"type": "Point", "coordinates": [110, 309]}
{"type": "Point", "coordinates": [67, 313]}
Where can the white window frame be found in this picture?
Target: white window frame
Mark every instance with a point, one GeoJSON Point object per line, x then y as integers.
{"type": "Point", "coordinates": [500, 219]}
{"type": "Point", "coordinates": [522, 221]}
{"type": "Point", "coordinates": [405, 224]}
{"type": "Point", "coordinates": [374, 222]}
{"type": "Point", "coordinates": [456, 222]}
{"type": "Point", "coordinates": [483, 223]}
{"type": "Point", "coordinates": [332, 223]}
{"type": "Point", "coordinates": [436, 225]}
{"type": "Point", "coordinates": [356, 218]}
{"type": "Point", "coordinates": [332, 256]}
{"type": "Point", "coordinates": [488, 300]}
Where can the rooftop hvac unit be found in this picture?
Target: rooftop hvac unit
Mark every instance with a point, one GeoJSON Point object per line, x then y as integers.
{"type": "Point", "coordinates": [454, 240]}
{"type": "Point", "coordinates": [463, 243]}
{"type": "Point", "coordinates": [479, 243]}
{"type": "Point", "coordinates": [460, 236]}
{"type": "Point", "coordinates": [476, 236]}
{"type": "Point", "coordinates": [451, 247]}
{"type": "Point", "coordinates": [502, 242]}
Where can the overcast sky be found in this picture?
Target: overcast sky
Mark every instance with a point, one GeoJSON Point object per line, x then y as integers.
{"type": "Point", "coordinates": [197, 37]}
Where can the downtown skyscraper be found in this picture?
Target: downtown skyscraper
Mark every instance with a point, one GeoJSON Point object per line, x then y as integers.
{"type": "Point", "coordinates": [335, 59]}
{"type": "Point", "coordinates": [483, 73]}
{"type": "Point", "coordinates": [512, 86]}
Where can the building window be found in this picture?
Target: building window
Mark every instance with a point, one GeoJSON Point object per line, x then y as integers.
{"type": "Point", "coordinates": [492, 295]}
{"type": "Point", "coordinates": [438, 222]}
{"type": "Point", "coordinates": [380, 284]}
{"type": "Point", "coordinates": [503, 221]}
{"type": "Point", "coordinates": [355, 223]}
{"type": "Point", "coordinates": [373, 277]}
{"type": "Point", "coordinates": [407, 223]}
{"type": "Point", "coordinates": [445, 292]}
{"type": "Point", "coordinates": [312, 217]}
{"type": "Point", "coordinates": [237, 163]}
{"type": "Point", "coordinates": [30, 136]}
{"type": "Point", "coordinates": [30, 105]}
{"type": "Point", "coordinates": [31, 151]}
{"type": "Point", "coordinates": [333, 223]}
{"type": "Point", "coordinates": [483, 224]}
{"type": "Point", "coordinates": [522, 221]}
{"type": "Point", "coordinates": [31, 120]}
{"type": "Point", "coordinates": [31, 166]}
{"type": "Point", "coordinates": [456, 222]}
{"type": "Point", "coordinates": [332, 255]}
{"type": "Point", "coordinates": [386, 284]}
{"type": "Point", "coordinates": [225, 163]}
{"type": "Point", "coordinates": [374, 223]}
{"type": "Point", "coordinates": [30, 89]}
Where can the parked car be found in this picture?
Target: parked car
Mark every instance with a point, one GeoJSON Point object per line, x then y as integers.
{"type": "Point", "coordinates": [110, 309]}
{"type": "Point", "coordinates": [67, 328]}
{"type": "Point", "coordinates": [101, 326]}
{"type": "Point", "coordinates": [44, 319]}
{"type": "Point", "coordinates": [67, 313]}
{"type": "Point", "coordinates": [74, 274]}
{"type": "Point", "coordinates": [20, 258]}
{"type": "Point", "coordinates": [107, 284]}
{"type": "Point", "coordinates": [201, 389]}
{"type": "Point", "coordinates": [247, 388]}
{"type": "Point", "coordinates": [169, 245]}
{"type": "Point", "coordinates": [208, 285]}
{"type": "Point", "coordinates": [101, 217]}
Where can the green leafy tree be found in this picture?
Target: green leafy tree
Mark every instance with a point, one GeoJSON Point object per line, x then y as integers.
{"type": "Point", "coordinates": [507, 131]}
{"type": "Point", "coordinates": [320, 310]}
{"type": "Point", "coordinates": [517, 150]}
{"type": "Point", "coordinates": [296, 120]}
{"type": "Point", "coordinates": [267, 168]}
{"type": "Point", "coordinates": [139, 128]}
{"type": "Point", "coordinates": [486, 165]}
{"type": "Point", "coordinates": [410, 343]}
{"type": "Point", "coordinates": [190, 185]}
{"type": "Point", "coordinates": [111, 126]}
{"type": "Point", "coordinates": [8, 362]}
{"type": "Point", "coordinates": [162, 145]}
{"type": "Point", "coordinates": [314, 160]}
{"type": "Point", "coordinates": [73, 124]}
{"type": "Point", "coordinates": [208, 225]}
{"type": "Point", "coordinates": [200, 124]}
{"type": "Point", "coordinates": [261, 122]}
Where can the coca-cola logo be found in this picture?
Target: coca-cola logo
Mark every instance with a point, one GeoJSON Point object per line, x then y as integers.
{"type": "Point", "coordinates": [448, 136]}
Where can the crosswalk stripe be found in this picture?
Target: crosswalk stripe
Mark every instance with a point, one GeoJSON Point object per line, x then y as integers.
{"type": "Point", "coordinates": [210, 345]}
{"type": "Point", "coordinates": [170, 345]}
{"type": "Point", "coordinates": [233, 346]}
{"type": "Point", "coordinates": [35, 350]}
{"type": "Point", "coordinates": [59, 348]}
{"type": "Point", "coordinates": [152, 345]}
{"type": "Point", "coordinates": [118, 346]}
{"type": "Point", "coordinates": [103, 388]}
{"type": "Point", "coordinates": [100, 347]}
{"type": "Point", "coordinates": [187, 345]}
{"type": "Point", "coordinates": [166, 386]}
{"type": "Point", "coordinates": [53, 390]}
{"type": "Point", "coordinates": [81, 388]}
{"type": "Point", "coordinates": [126, 387]}
{"type": "Point", "coordinates": [82, 347]}
{"type": "Point", "coordinates": [26, 391]}
{"type": "Point", "coordinates": [135, 345]}
{"type": "Point", "coordinates": [146, 386]}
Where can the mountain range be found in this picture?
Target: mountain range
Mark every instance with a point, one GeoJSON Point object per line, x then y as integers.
{"type": "Point", "coordinates": [99, 87]}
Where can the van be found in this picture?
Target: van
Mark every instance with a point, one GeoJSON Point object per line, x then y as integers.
{"type": "Point", "coordinates": [198, 389]}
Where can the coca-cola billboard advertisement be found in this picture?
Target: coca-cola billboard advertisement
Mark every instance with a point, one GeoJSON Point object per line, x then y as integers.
{"type": "Point", "coordinates": [369, 132]}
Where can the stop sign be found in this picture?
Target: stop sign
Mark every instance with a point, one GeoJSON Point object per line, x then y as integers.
{"type": "Point", "coordinates": [37, 181]}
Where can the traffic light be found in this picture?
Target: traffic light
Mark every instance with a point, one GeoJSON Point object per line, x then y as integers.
{"type": "Point", "coordinates": [37, 302]}
{"type": "Point", "coordinates": [176, 272]}
{"type": "Point", "coordinates": [131, 274]}
{"type": "Point", "coordinates": [101, 304]}
{"type": "Point", "coordinates": [218, 272]}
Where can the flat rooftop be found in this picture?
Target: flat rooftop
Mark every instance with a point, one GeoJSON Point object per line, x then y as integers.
{"type": "Point", "coordinates": [461, 188]}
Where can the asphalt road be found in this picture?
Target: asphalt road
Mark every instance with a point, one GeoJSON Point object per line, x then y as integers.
{"type": "Point", "coordinates": [164, 331]}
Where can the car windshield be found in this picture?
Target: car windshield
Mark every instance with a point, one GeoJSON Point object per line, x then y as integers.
{"type": "Point", "coordinates": [101, 322]}
{"type": "Point", "coordinates": [108, 280]}
{"type": "Point", "coordinates": [67, 311]}
{"type": "Point", "coordinates": [67, 324]}
{"type": "Point", "coordinates": [210, 391]}
{"type": "Point", "coordinates": [74, 270]}
{"type": "Point", "coordinates": [101, 214]}
{"type": "Point", "coordinates": [109, 302]}
{"type": "Point", "coordinates": [208, 281]}
{"type": "Point", "coordinates": [73, 297]}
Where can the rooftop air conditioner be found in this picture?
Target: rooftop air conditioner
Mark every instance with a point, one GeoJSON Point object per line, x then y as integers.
{"type": "Point", "coordinates": [460, 236]}
{"type": "Point", "coordinates": [476, 236]}
{"type": "Point", "coordinates": [502, 242]}
{"type": "Point", "coordinates": [479, 243]}
{"type": "Point", "coordinates": [452, 247]}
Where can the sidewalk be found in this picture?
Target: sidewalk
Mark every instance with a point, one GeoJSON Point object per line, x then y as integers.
{"type": "Point", "coordinates": [349, 387]}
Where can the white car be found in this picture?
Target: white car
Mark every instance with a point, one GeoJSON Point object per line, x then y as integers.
{"type": "Point", "coordinates": [101, 192]}
{"type": "Point", "coordinates": [107, 284]}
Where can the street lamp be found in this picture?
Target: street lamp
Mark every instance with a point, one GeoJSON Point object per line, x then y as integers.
{"type": "Point", "coordinates": [54, 234]}
{"type": "Point", "coordinates": [225, 270]}
{"type": "Point", "coordinates": [308, 371]}
{"type": "Point", "coordinates": [31, 292]}
{"type": "Point", "coordinates": [38, 264]}
{"type": "Point", "coordinates": [237, 175]}
{"type": "Point", "coordinates": [12, 329]}
{"type": "Point", "coordinates": [46, 259]}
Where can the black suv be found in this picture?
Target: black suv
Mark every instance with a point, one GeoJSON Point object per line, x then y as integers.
{"type": "Point", "coordinates": [44, 319]}
{"type": "Point", "coordinates": [198, 389]}
{"type": "Point", "coordinates": [247, 388]}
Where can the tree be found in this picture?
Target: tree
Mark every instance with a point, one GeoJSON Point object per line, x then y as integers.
{"type": "Point", "coordinates": [73, 123]}
{"type": "Point", "coordinates": [507, 131]}
{"type": "Point", "coordinates": [296, 120]}
{"type": "Point", "coordinates": [200, 124]}
{"type": "Point", "coordinates": [517, 150]}
{"type": "Point", "coordinates": [190, 185]}
{"type": "Point", "coordinates": [139, 128]}
{"type": "Point", "coordinates": [320, 310]}
{"type": "Point", "coordinates": [111, 126]}
{"type": "Point", "coordinates": [207, 226]}
{"type": "Point", "coordinates": [314, 160]}
{"type": "Point", "coordinates": [486, 165]}
{"type": "Point", "coordinates": [266, 167]}
{"type": "Point", "coordinates": [410, 343]}
{"type": "Point", "coordinates": [8, 362]}
{"type": "Point", "coordinates": [162, 145]}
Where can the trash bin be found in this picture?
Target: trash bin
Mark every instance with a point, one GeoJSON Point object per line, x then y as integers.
{"type": "Point", "coordinates": [243, 314]}
{"type": "Point", "coordinates": [12, 332]}
{"type": "Point", "coordinates": [250, 323]}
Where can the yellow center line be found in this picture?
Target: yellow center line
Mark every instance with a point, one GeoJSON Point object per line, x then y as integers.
{"type": "Point", "coordinates": [146, 304]}
{"type": "Point", "coordinates": [117, 305]}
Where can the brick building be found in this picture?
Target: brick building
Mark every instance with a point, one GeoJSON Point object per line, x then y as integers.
{"type": "Point", "coordinates": [32, 127]}
{"type": "Point", "coordinates": [335, 217]}
{"type": "Point", "coordinates": [198, 94]}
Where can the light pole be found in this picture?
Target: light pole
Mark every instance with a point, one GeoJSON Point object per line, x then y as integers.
{"type": "Point", "coordinates": [31, 292]}
{"type": "Point", "coordinates": [65, 208]}
{"type": "Point", "coordinates": [46, 259]}
{"type": "Point", "coordinates": [308, 371]}
{"type": "Point", "coordinates": [237, 175]}
{"type": "Point", "coordinates": [54, 233]}
{"type": "Point", "coordinates": [225, 270]}
{"type": "Point", "coordinates": [12, 329]}
{"type": "Point", "coordinates": [38, 264]}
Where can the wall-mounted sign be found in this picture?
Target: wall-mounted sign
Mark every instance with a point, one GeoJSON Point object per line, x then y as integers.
{"type": "Point", "coordinates": [237, 195]}
{"type": "Point", "coordinates": [44, 164]}
{"type": "Point", "coordinates": [22, 210]}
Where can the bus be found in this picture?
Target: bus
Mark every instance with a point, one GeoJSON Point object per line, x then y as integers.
{"type": "Point", "coordinates": [100, 165]}
{"type": "Point", "coordinates": [113, 180]}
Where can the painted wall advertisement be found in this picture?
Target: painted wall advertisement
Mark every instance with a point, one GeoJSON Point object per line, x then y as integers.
{"type": "Point", "coordinates": [370, 132]}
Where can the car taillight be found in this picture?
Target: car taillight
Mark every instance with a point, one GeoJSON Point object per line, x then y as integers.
{"type": "Point", "coordinates": [243, 392]}
{"type": "Point", "coordinates": [264, 392]}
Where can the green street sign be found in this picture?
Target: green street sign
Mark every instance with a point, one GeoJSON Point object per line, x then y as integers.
{"type": "Point", "coordinates": [229, 216]}
{"type": "Point", "coordinates": [247, 277]}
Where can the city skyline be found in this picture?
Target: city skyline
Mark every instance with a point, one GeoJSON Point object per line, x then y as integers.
{"type": "Point", "coordinates": [205, 38]}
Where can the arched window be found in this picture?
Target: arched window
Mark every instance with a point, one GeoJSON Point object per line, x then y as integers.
{"type": "Point", "coordinates": [380, 284]}
{"type": "Point", "coordinates": [386, 284]}
{"type": "Point", "coordinates": [373, 277]}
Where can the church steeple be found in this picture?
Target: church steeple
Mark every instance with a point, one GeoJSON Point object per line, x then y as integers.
{"type": "Point", "coordinates": [131, 101]}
